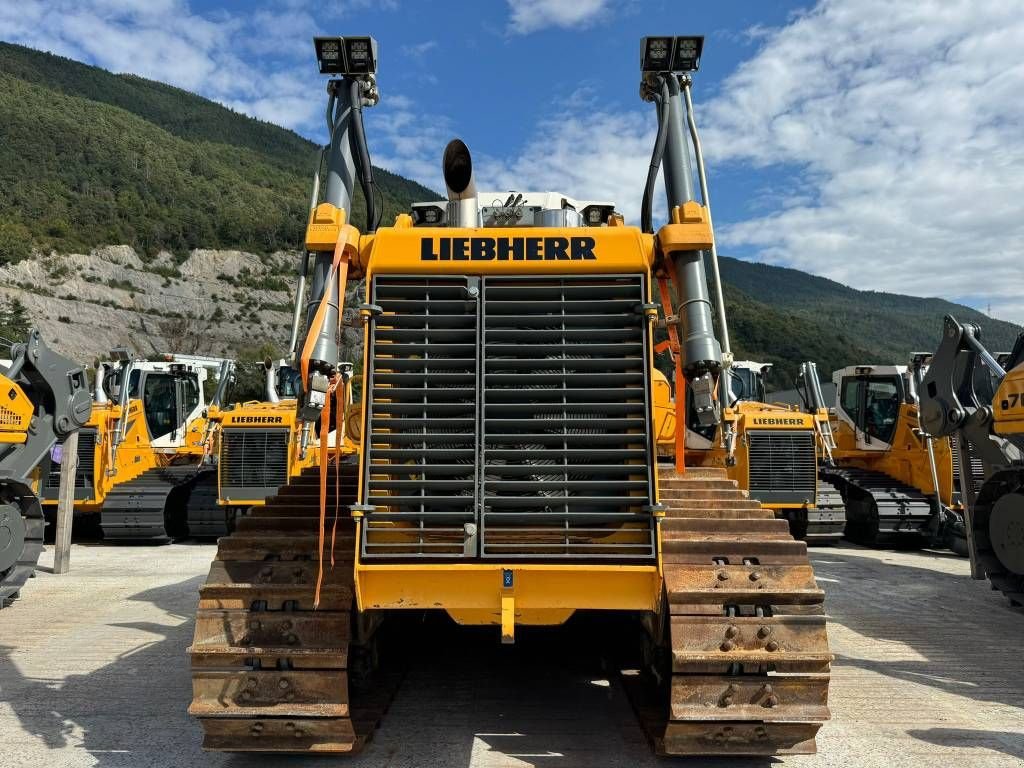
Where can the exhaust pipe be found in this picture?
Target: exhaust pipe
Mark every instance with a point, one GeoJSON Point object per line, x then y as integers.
{"type": "Point", "coordinates": [99, 395]}
{"type": "Point", "coordinates": [463, 207]}
{"type": "Point", "coordinates": [270, 382]}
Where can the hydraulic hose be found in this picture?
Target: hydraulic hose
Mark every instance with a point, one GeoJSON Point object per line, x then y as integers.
{"type": "Point", "coordinates": [646, 208]}
{"type": "Point", "coordinates": [360, 149]}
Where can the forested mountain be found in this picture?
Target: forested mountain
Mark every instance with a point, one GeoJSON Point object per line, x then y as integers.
{"type": "Point", "coordinates": [892, 326]}
{"type": "Point", "coordinates": [92, 158]}
{"type": "Point", "coordinates": [210, 201]}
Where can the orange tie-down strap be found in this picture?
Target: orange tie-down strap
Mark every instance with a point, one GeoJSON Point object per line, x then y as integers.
{"type": "Point", "coordinates": [343, 251]}
{"type": "Point", "coordinates": [674, 349]}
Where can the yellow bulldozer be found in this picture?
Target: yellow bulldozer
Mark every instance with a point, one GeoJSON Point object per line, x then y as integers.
{"type": "Point", "coordinates": [144, 471]}
{"type": "Point", "coordinates": [971, 395]}
{"type": "Point", "coordinates": [899, 485]}
{"type": "Point", "coordinates": [507, 473]}
{"type": "Point", "coordinates": [771, 450]}
{"type": "Point", "coordinates": [46, 398]}
{"type": "Point", "coordinates": [262, 445]}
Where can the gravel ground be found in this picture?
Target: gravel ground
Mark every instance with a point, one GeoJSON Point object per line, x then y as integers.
{"type": "Point", "coordinates": [93, 673]}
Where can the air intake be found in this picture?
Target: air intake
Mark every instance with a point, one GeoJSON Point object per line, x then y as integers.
{"type": "Point", "coordinates": [783, 466]}
{"type": "Point", "coordinates": [253, 462]}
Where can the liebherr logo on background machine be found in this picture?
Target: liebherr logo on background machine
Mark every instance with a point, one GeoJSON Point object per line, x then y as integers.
{"type": "Point", "coordinates": [256, 420]}
{"type": "Point", "coordinates": [507, 249]}
{"type": "Point", "coordinates": [775, 421]}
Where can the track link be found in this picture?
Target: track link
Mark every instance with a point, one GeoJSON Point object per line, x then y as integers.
{"type": "Point", "coordinates": [999, 535]}
{"type": "Point", "coordinates": [270, 673]}
{"type": "Point", "coordinates": [741, 651]}
{"type": "Point", "coordinates": [151, 507]}
{"type": "Point", "coordinates": [881, 509]}
{"type": "Point", "coordinates": [206, 518]}
{"type": "Point", "coordinates": [826, 522]}
{"type": "Point", "coordinates": [21, 540]}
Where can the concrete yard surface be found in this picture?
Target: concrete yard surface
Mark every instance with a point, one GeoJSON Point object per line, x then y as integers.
{"type": "Point", "coordinates": [93, 672]}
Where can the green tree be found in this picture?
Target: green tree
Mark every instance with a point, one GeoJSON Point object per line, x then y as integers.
{"type": "Point", "coordinates": [15, 242]}
{"type": "Point", "coordinates": [15, 322]}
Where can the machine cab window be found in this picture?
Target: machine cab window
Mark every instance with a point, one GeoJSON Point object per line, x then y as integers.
{"type": "Point", "coordinates": [882, 408]}
{"type": "Point", "coordinates": [167, 400]}
{"type": "Point", "coordinates": [872, 403]}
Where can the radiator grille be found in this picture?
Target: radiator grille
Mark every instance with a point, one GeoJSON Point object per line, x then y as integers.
{"type": "Point", "coordinates": [509, 419]}
{"type": "Point", "coordinates": [783, 466]}
{"type": "Point", "coordinates": [83, 476]}
{"type": "Point", "coordinates": [422, 421]}
{"type": "Point", "coordinates": [565, 419]}
{"type": "Point", "coordinates": [253, 462]}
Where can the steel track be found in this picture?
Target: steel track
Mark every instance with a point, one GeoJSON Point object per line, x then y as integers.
{"type": "Point", "coordinates": [739, 661]}
{"type": "Point", "coordinates": [150, 508]}
{"type": "Point", "coordinates": [270, 673]}
{"type": "Point", "coordinates": [881, 509]}
{"type": "Point", "coordinates": [206, 518]}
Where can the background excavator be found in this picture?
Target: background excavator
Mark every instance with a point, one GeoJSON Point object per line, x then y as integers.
{"type": "Point", "coordinates": [970, 395]}
{"type": "Point", "coordinates": [144, 461]}
{"type": "Point", "coordinates": [898, 484]}
{"type": "Point", "coordinates": [507, 473]}
{"type": "Point", "coordinates": [771, 450]}
{"type": "Point", "coordinates": [46, 398]}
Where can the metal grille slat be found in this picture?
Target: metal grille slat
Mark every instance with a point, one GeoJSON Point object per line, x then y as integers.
{"type": "Point", "coordinates": [84, 473]}
{"type": "Point", "coordinates": [508, 417]}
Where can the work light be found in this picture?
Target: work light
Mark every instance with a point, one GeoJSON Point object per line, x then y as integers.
{"type": "Point", "coordinates": [346, 55]}
{"type": "Point", "coordinates": [671, 54]}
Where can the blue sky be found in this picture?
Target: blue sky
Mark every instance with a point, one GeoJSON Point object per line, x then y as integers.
{"type": "Point", "coordinates": [873, 142]}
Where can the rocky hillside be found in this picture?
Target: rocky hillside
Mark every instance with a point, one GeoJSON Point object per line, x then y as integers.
{"type": "Point", "coordinates": [215, 302]}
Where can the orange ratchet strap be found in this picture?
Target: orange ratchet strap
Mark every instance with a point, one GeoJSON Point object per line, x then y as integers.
{"type": "Point", "coordinates": [675, 350]}
{"type": "Point", "coordinates": [339, 267]}
{"type": "Point", "coordinates": [325, 427]}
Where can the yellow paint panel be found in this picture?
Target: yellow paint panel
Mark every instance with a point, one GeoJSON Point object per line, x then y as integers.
{"type": "Point", "coordinates": [508, 251]}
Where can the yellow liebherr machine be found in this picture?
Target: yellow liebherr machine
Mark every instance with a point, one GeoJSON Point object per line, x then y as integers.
{"type": "Point", "coordinates": [968, 394]}
{"type": "Point", "coordinates": [897, 483]}
{"type": "Point", "coordinates": [772, 451]}
{"type": "Point", "coordinates": [262, 445]}
{"type": "Point", "coordinates": [45, 399]}
{"type": "Point", "coordinates": [507, 471]}
{"type": "Point", "coordinates": [143, 463]}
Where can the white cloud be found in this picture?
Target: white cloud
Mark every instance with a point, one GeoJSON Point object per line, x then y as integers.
{"type": "Point", "coordinates": [418, 50]}
{"type": "Point", "coordinates": [899, 128]}
{"type": "Point", "coordinates": [527, 16]}
{"type": "Point", "coordinates": [223, 57]}
{"type": "Point", "coordinates": [602, 156]}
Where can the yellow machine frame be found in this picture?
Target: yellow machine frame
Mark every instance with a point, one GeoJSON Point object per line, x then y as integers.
{"type": "Point", "coordinates": [506, 594]}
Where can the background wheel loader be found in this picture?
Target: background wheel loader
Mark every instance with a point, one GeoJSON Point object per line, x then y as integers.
{"type": "Point", "coordinates": [46, 398]}
{"type": "Point", "coordinates": [507, 472]}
